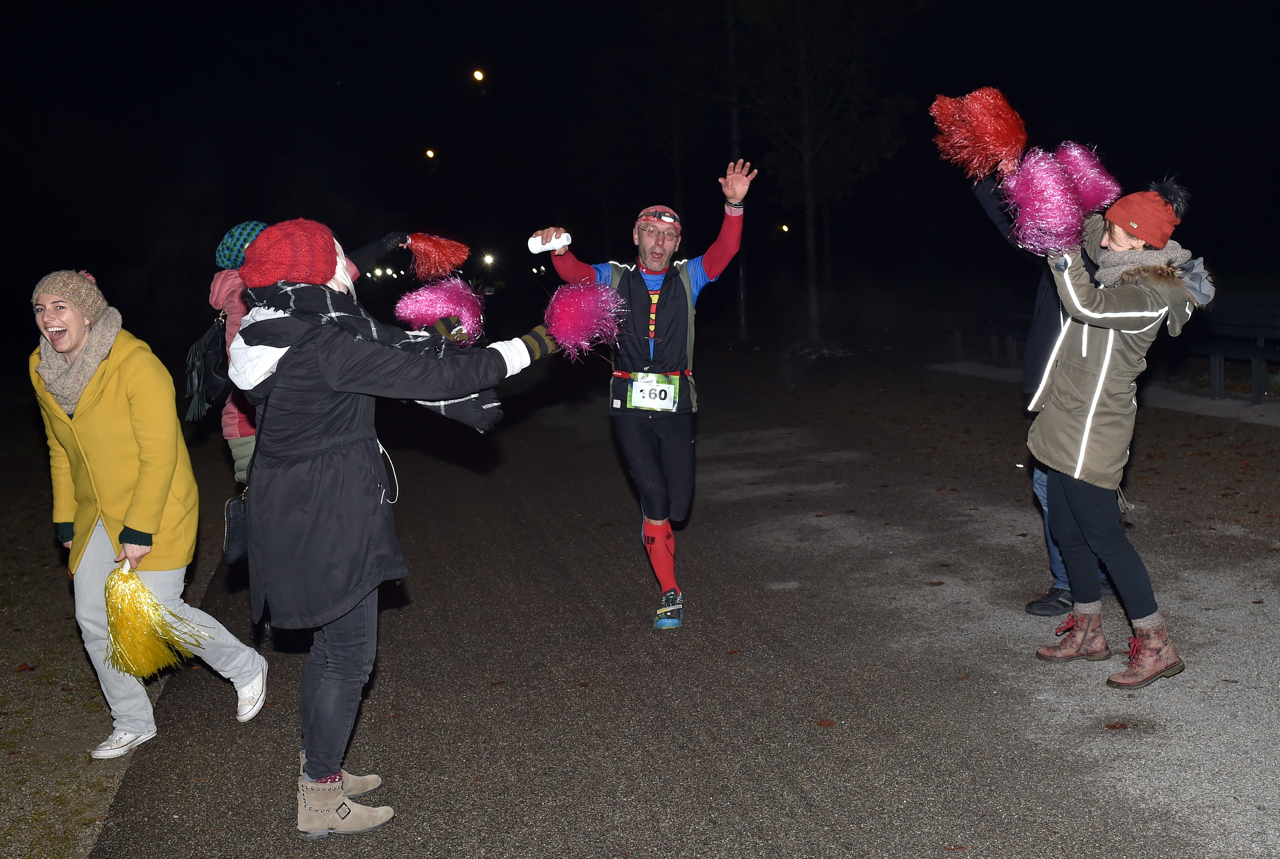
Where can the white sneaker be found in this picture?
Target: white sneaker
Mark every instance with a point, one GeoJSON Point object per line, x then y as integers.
{"type": "Point", "coordinates": [252, 696]}
{"type": "Point", "coordinates": [119, 743]}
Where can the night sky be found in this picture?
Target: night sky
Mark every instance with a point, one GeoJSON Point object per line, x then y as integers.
{"type": "Point", "coordinates": [136, 138]}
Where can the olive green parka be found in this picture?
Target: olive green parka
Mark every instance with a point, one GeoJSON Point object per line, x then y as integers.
{"type": "Point", "coordinates": [1087, 397]}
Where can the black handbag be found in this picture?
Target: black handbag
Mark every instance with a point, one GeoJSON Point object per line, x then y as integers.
{"type": "Point", "coordinates": [235, 537]}
{"type": "Point", "coordinates": [208, 384]}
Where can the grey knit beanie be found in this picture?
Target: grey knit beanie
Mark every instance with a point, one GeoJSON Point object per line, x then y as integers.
{"type": "Point", "coordinates": [75, 287]}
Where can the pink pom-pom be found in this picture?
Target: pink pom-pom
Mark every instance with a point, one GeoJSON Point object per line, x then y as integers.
{"type": "Point", "coordinates": [581, 315]}
{"type": "Point", "coordinates": [440, 299]}
{"type": "Point", "coordinates": [979, 131]}
{"type": "Point", "coordinates": [1050, 214]}
{"type": "Point", "coordinates": [1098, 188]}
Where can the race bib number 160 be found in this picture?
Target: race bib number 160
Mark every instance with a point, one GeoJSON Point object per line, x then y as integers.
{"type": "Point", "coordinates": [653, 392]}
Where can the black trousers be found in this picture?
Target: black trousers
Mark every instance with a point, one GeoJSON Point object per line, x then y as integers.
{"type": "Point", "coordinates": [658, 451]}
{"type": "Point", "coordinates": [1086, 524]}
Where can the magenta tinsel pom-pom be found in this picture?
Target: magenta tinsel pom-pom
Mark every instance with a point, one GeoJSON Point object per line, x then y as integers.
{"type": "Point", "coordinates": [1050, 214]}
{"type": "Point", "coordinates": [581, 315]}
{"type": "Point", "coordinates": [450, 296]}
{"type": "Point", "coordinates": [1098, 188]}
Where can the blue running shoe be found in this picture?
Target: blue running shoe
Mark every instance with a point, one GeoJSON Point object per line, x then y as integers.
{"type": "Point", "coordinates": [670, 614]}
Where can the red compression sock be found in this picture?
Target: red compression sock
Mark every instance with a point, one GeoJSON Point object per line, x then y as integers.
{"type": "Point", "coordinates": [660, 544]}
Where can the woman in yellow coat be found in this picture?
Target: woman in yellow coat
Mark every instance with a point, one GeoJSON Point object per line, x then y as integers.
{"type": "Point", "coordinates": [122, 488]}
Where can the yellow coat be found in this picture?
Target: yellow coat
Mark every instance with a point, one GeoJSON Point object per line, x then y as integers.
{"type": "Point", "coordinates": [122, 458]}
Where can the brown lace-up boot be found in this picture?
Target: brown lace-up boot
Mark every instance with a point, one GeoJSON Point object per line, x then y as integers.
{"type": "Point", "coordinates": [1083, 639]}
{"type": "Point", "coordinates": [1151, 656]}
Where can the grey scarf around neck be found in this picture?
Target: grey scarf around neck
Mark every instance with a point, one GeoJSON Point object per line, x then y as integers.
{"type": "Point", "coordinates": [66, 382]}
{"type": "Point", "coordinates": [1112, 264]}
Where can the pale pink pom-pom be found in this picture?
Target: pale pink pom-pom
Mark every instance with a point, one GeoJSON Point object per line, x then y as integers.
{"type": "Point", "coordinates": [581, 315]}
{"type": "Point", "coordinates": [449, 296]}
{"type": "Point", "coordinates": [1098, 188]}
{"type": "Point", "coordinates": [1050, 213]}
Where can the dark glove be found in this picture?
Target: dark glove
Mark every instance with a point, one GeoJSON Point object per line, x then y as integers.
{"type": "Point", "coordinates": [539, 343]}
{"type": "Point", "coordinates": [450, 329]}
{"type": "Point", "coordinates": [364, 258]}
{"type": "Point", "coordinates": [66, 531]}
{"type": "Point", "coordinates": [480, 411]}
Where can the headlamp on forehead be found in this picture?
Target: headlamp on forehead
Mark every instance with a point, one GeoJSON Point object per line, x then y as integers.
{"type": "Point", "coordinates": [659, 215]}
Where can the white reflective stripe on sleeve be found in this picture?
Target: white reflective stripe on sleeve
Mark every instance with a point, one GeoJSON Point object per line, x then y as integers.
{"type": "Point", "coordinates": [1075, 301]}
{"type": "Point", "coordinates": [1147, 327]}
{"type": "Point", "coordinates": [1093, 406]}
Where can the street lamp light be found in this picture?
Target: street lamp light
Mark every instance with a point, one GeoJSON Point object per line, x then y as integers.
{"type": "Point", "coordinates": [478, 75]}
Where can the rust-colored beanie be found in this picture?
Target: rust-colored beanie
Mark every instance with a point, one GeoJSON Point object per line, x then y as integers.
{"type": "Point", "coordinates": [76, 287]}
{"type": "Point", "coordinates": [298, 251]}
{"type": "Point", "coordinates": [1146, 215]}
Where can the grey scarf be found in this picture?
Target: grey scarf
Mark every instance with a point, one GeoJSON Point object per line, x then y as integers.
{"type": "Point", "coordinates": [1112, 264]}
{"type": "Point", "coordinates": [66, 382]}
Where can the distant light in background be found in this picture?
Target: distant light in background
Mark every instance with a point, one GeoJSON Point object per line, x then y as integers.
{"type": "Point", "coordinates": [488, 259]}
{"type": "Point", "coordinates": [431, 153]}
{"type": "Point", "coordinates": [785, 228]}
{"type": "Point", "coordinates": [377, 272]}
{"type": "Point", "coordinates": [535, 271]}
{"type": "Point", "coordinates": [478, 75]}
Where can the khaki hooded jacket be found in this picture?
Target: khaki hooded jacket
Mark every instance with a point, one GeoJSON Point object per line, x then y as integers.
{"type": "Point", "coordinates": [1087, 397]}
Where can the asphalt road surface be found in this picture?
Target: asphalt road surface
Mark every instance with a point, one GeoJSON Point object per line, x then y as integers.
{"type": "Point", "coordinates": [855, 676]}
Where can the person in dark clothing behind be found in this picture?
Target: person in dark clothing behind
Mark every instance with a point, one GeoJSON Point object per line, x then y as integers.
{"type": "Point", "coordinates": [652, 396]}
{"type": "Point", "coordinates": [321, 532]}
{"type": "Point", "coordinates": [1046, 324]}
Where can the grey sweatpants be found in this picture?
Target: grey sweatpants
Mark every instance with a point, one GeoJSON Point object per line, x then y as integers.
{"type": "Point", "coordinates": [125, 694]}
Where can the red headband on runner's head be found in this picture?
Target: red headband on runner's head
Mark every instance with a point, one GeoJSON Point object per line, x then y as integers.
{"type": "Point", "coordinates": [659, 215]}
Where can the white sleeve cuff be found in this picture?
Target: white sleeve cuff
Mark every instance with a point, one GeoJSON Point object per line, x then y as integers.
{"type": "Point", "coordinates": [515, 353]}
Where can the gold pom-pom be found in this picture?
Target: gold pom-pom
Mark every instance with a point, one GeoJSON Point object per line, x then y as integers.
{"type": "Point", "coordinates": [144, 636]}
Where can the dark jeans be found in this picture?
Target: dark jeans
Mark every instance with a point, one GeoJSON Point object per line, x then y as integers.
{"type": "Point", "coordinates": [1086, 523]}
{"type": "Point", "coordinates": [658, 449]}
{"type": "Point", "coordinates": [342, 654]}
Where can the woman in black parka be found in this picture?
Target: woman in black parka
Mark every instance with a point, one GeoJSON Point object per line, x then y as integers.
{"type": "Point", "coordinates": [321, 532]}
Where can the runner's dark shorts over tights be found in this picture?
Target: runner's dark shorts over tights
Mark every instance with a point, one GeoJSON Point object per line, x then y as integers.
{"type": "Point", "coordinates": [658, 450]}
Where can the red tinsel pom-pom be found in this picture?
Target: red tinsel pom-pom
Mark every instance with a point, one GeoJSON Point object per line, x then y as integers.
{"type": "Point", "coordinates": [581, 315]}
{"type": "Point", "coordinates": [451, 296]}
{"type": "Point", "coordinates": [979, 131]}
{"type": "Point", "coordinates": [435, 257]}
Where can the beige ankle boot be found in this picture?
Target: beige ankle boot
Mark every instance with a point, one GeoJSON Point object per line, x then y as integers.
{"type": "Point", "coordinates": [352, 785]}
{"type": "Point", "coordinates": [1083, 639]}
{"type": "Point", "coordinates": [323, 808]}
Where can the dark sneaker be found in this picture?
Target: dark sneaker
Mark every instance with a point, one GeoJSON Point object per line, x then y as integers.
{"type": "Point", "coordinates": [670, 614]}
{"type": "Point", "coordinates": [1057, 601]}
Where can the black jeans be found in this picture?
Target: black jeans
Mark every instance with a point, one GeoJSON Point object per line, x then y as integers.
{"type": "Point", "coordinates": [658, 449]}
{"type": "Point", "coordinates": [342, 654]}
{"type": "Point", "coordinates": [1086, 523]}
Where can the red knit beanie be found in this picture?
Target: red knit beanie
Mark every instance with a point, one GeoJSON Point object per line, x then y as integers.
{"type": "Point", "coordinates": [1146, 215]}
{"type": "Point", "coordinates": [298, 251]}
